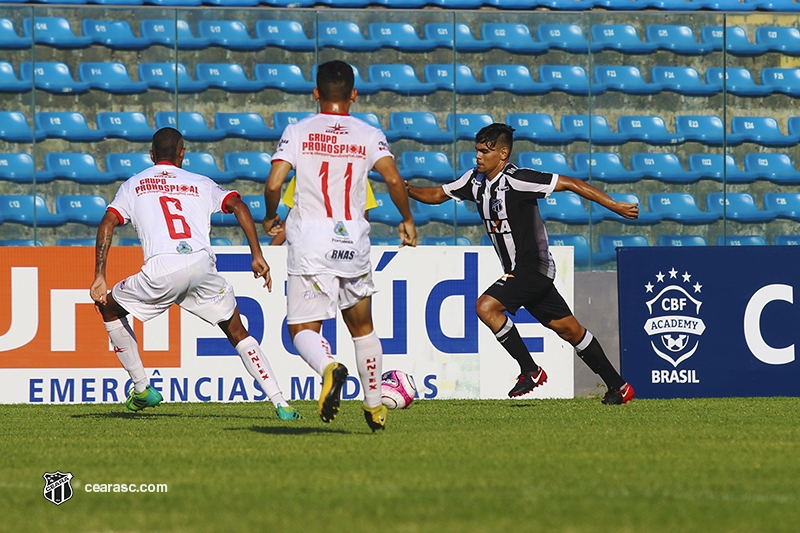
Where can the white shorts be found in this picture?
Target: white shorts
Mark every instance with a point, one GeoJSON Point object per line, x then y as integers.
{"type": "Point", "coordinates": [190, 280]}
{"type": "Point", "coordinates": [312, 298]}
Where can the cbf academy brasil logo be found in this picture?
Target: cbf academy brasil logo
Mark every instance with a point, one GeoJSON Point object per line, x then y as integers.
{"type": "Point", "coordinates": [674, 326]}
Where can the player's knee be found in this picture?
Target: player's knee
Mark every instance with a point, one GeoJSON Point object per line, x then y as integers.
{"type": "Point", "coordinates": [485, 307]}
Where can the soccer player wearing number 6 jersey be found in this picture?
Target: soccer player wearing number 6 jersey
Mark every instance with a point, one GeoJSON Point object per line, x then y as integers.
{"type": "Point", "coordinates": [171, 208]}
{"type": "Point", "coordinates": [328, 235]}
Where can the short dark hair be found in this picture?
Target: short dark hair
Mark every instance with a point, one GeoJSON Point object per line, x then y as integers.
{"type": "Point", "coordinates": [165, 144]}
{"type": "Point", "coordinates": [496, 133]}
{"type": "Point", "coordinates": [335, 80]}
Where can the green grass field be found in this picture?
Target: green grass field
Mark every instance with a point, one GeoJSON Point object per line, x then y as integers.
{"type": "Point", "coordinates": [443, 466]}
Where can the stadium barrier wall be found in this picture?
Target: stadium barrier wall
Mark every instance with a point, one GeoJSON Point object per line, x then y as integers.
{"type": "Point", "coordinates": [710, 321]}
{"type": "Point", "coordinates": [54, 349]}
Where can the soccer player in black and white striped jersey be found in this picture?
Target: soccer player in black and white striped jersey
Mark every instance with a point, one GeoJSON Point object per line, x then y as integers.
{"type": "Point", "coordinates": [506, 197]}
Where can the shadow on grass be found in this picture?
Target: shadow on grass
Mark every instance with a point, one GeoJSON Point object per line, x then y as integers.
{"type": "Point", "coordinates": [141, 416]}
{"type": "Point", "coordinates": [285, 430]}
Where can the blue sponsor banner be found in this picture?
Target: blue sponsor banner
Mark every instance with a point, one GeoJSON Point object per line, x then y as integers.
{"type": "Point", "coordinates": [709, 321]}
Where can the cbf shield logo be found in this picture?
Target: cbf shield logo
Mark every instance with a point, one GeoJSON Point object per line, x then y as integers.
{"type": "Point", "coordinates": [674, 326]}
{"type": "Point", "coordinates": [56, 487]}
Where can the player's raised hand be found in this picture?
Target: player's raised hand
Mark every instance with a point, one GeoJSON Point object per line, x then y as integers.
{"type": "Point", "coordinates": [99, 290]}
{"type": "Point", "coordinates": [261, 270]}
{"type": "Point", "coordinates": [629, 211]}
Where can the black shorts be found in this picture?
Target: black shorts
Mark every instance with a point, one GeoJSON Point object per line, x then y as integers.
{"type": "Point", "coordinates": [532, 290]}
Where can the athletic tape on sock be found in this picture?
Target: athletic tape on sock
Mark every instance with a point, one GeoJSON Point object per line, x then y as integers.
{"type": "Point", "coordinates": [507, 325]}
{"type": "Point", "coordinates": [585, 342]}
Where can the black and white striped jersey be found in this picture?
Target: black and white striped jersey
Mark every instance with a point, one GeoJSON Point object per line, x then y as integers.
{"type": "Point", "coordinates": [509, 207]}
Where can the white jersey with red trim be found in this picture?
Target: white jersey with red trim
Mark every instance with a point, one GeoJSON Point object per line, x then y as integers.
{"type": "Point", "coordinates": [170, 209]}
{"type": "Point", "coordinates": [326, 230]}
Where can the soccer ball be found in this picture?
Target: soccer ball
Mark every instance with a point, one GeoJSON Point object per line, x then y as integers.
{"type": "Point", "coordinates": [397, 389]}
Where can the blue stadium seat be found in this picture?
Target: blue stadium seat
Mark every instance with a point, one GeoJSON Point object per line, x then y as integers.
{"type": "Point", "coordinates": [232, 3]}
{"type": "Point", "coordinates": [175, 3]}
{"type": "Point", "coordinates": [785, 40]}
{"type": "Point", "coordinates": [85, 241]}
{"type": "Point", "coordinates": [191, 124]}
{"type": "Point", "coordinates": [420, 126]}
{"type": "Point", "coordinates": [663, 167]}
{"type": "Point", "coordinates": [78, 167]}
{"type": "Point", "coordinates": [467, 125]}
{"type": "Point", "coordinates": [431, 240]}
{"type": "Point", "coordinates": [364, 87]}
{"type": "Point", "coordinates": [385, 212]}
{"type": "Point", "coordinates": [21, 242]}
{"type": "Point", "coordinates": [14, 128]}
{"type": "Point", "coordinates": [400, 36]}
{"type": "Point", "coordinates": [622, 38]}
{"type": "Point", "coordinates": [679, 207]}
{"type": "Point", "coordinates": [229, 77]}
{"type": "Point", "coordinates": [400, 4]}
{"type": "Point", "coordinates": [254, 166]}
{"type": "Point", "coordinates": [516, 79]}
{"type": "Point", "coordinates": [9, 83]}
{"type": "Point", "coordinates": [737, 43]}
{"type": "Point", "coordinates": [486, 240]}
{"type": "Point", "coordinates": [566, 37]}
{"type": "Point", "coordinates": [55, 32]}
{"type": "Point", "coordinates": [373, 120]}
{"type": "Point", "coordinates": [287, 78]}
{"type": "Point", "coordinates": [455, 212]}
{"type": "Point", "coordinates": [578, 127]}
{"type": "Point", "coordinates": [466, 161]}
{"type": "Point", "coordinates": [781, 80]}
{"type": "Point", "coordinates": [114, 34]}
{"type": "Point", "coordinates": [257, 209]}
{"type": "Point", "coordinates": [787, 240]}
{"type": "Point", "coordinates": [68, 125]}
{"type": "Point", "coordinates": [465, 83]}
{"type": "Point", "coordinates": [281, 119]}
{"type": "Point", "coordinates": [537, 127]}
{"type": "Point", "coordinates": [129, 241]}
{"type": "Point", "coordinates": [624, 79]}
{"type": "Point", "coordinates": [165, 32]}
{"type": "Point", "coordinates": [624, 5]}
{"type": "Point", "coordinates": [457, 4]}
{"type": "Point", "coordinates": [741, 240]}
{"type": "Point", "coordinates": [740, 81]}
{"type": "Point", "coordinates": [83, 209]}
{"type": "Point", "coordinates": [110, 77]}
{"type": "Point", "coordinates": [442, 33]}
{"type": "Point", "coordinates": [682, 80]}
{"type": "Point", "coordinates": [647, 129]}
{"type": "Point", "coordinates": [286, 34]}
{"type": "Point", "coordinates": [205, 164]}
{"type": "Point", "coordinates": [384, 241]}
{"type": "Point", "coordinates": [345, 35]}
{"type": "Point", "coordinates": [571, 79]}
{"type": "Point", "coordinates": [777, 168]}
{"type": "Point", "coordinates": [289, 3]}
{"type": "Point", "coordinates": [783, 204]}
{"type": "Point", "coordinates": [681, 240]}
{"type": "Point", "coordinates": [19, 168]}
{"type": "Point", "coordinates": [129, 125]}
{"type": "Point", "coordinates": [162, 76]}
{"type": "Point", "coordinates": [554, 162]}
{"type": "Point", "coordinates": [511, 37]}
{"type": "Point", "coordinates": [705, 129]}
{"type": "Point", "coordinates": [646, 218]}
{"type": "Point", "coordinates": [400, 79]}
{"type": "Point", "coordinates": [53, 77]}
{"type": "Point", "coordinates": [607, 246]}
{"type": "Point", "coordinates": [582, 251]}
{"type": "Point", "coordinates": [250, 126]}
{"type": "Point", "coordinates": [787, 6]}
{"type": "Point", "coordinates": [229, 34]}
{"type": "Point", "coordinates": [794, 125]}
{"type": "Point", "coordinates": [221, 241]}
{"type": "Point", "coordinates": [123, 166]}
{"type": "Point", "coordinates": [762, 130]}
{"type": "Point", "coordinates": [710, 166]}
{"type": "Point", "coordinates": [434, 166]}
{"type": "Point", "coordinates": [676, 38]}
{"type": "Point", "coordinates": [741, 207]}
{"type": "Point", "coordinates": [567, 207]}
{"type": "Point", "coordinates": [23, 208]}
{"type": "Point", "coordinates": [9, 39]}
{"type": "Point", "coordinates": [606, 167]}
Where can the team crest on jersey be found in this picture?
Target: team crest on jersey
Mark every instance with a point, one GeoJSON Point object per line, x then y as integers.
{"type": "Point", "coordinates": [183, 248]}
{"type": "Point", "coordinates": [497, 205]}
{"type": "Point", "coordinates": [340, 229]}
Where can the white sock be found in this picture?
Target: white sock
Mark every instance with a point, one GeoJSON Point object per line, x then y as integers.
{"type": "Point", "coordinates": [369, 359]}
{"type": "Point", "coordinates": [314, 350]}
{"type": "Point", "coordinates": [257, 366]}
{"type": "Point", "coordinates": [127, 350]}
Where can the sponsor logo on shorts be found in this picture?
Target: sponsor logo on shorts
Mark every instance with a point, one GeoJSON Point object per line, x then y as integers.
{"type": "Point", "coordinates": [223, 293]}
{"type": "Point", "coordinates": [340, 255]}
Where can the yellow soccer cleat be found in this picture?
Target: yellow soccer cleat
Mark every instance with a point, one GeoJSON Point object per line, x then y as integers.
{"type": "Point", "coordinates": [376, 416]}
{"type": "Point", "coordinates": [333, 379]}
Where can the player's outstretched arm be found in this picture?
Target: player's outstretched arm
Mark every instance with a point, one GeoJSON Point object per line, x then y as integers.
{"type": "Point", "coordinates": [105, 232]}
{"type": "Point", "coordinates": [272, 193]}
{"type": "Point", "coordinates": [426, 195]}
{"type": "Point", "coordinates": [581, 188]}
{"type": "Point", "coordinates": [397, 191]}
{"type": "Point", "coordinates": [235, 205]}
